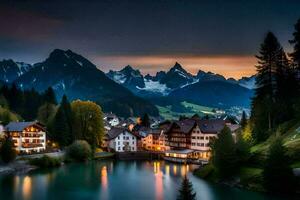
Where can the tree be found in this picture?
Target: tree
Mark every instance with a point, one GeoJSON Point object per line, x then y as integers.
{"type": "Point", "coordinates": [296, 45]}
{"type": "Point", "coordinates": [146, 120]}
{"type": "Point", "coordinates": [49, 96]}
{"type": "Point", "coordinates": [46, 112]}
{"type": "Point", "coordinates": [61, 128]}
{"type": "Point", "coordinates": [224, 154]}
{"type": "Point", "coordinates": [186, 190]}
{"type": "Point", "coordinates": [66, 106]}
{"type": "Point", "coordinates": [88, 122]}
{"type": "Point", "coordinates": [242, 149]}
{"type": "Point", "coordinates": [79, 150]}
{"type": "Point", "coordinates": [264, 100]}
{"type": "Point", "coordinates": [8, 153]}
{"type": "Point", "coordinates": [243, 120]}
{"type": "Point", "coordinates": [277, 174]}
{"type": "Point", "coordinates": [3, 102]}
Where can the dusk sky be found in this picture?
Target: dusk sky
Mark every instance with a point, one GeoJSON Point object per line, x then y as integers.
{"type": "Point", "coordinates": [217, 36]}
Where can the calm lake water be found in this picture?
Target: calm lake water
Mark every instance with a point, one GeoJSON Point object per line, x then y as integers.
{"type": "Point", "coordinates": [118, 180]}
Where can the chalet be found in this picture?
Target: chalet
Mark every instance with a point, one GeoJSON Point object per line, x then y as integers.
{"type": "Point", "coordinates": [196, 134]}
{"type": "Point", "coordinates": [155, 140]}
{"type": "Point", "coordinates": [121, 139]}
{"type": "Point", "coordinates": [28, 137]}
{"type": "Point", "coordinates": [111, 119]}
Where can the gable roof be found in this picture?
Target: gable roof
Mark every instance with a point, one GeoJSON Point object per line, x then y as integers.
{"type": "Point", "coordinates": [20, 126]}
{"type": "Point", "coordinates": [116, 131]}
{"type": "Point", "coordinates": [211, 125]}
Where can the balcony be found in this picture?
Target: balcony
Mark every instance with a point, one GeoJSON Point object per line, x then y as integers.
{"type": "Point", "coordinates": [31, 145]}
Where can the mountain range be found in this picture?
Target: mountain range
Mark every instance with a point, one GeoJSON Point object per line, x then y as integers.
{"type": "Point", "coordinates": [204, 88]}
{"type": "Point", "coordinates": [71, 74]}
{"type": "Point", "coordinates": [126, 92]}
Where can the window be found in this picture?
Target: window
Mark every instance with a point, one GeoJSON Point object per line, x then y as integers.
{"type": "Point", "coordinates": [132, 142]}
{"type": "Point", "coordinates": [119, 148]}
{"type": "Point", "coordinates": [132, 148]}
{"type": "Point", "coordinates": [132, 137]}
{"type": "Point", "coordinates": [202, 138]}
{"type": "Point", "coordinates": [198, 144]}
{"type": "Point", "coordinates": [118, 142]}
{"type": "Point", "coordinates": [124, 137]}
{"type": "Point", "coordinates": [193, 137]}
{"type": "Point", "coordinates": [118, 137]}
{"type": "Point", "coordinates": [127, 138]}
{"type": "Point", "coordinates": [198, 131]}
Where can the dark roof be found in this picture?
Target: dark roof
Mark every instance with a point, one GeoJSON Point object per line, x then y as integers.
{"type": "Point", "coordinates": [211, 125]}
{"type": "Point", "coordinates": [115, 131]}
{"type": "Point", "coordinates": [20, 126]}
{"type": "Point", "coordinates": [206, 126]}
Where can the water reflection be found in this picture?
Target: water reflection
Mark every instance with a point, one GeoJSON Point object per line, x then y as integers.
{"type": "Point", "coordinates": [113, 180]}
{"type": "Point", "coordinates": [26, 187]}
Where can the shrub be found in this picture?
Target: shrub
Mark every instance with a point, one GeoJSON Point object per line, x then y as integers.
{"type": "Point", "coordinates": [45, 162]}
{"type": "Point", "coordinates": [8, 153]}
{"type": "Point", "coordinates": [80, 150]}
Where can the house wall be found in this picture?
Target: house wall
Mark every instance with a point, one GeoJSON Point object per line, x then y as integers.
{"type": "Point", "coordinates": [124, 142]}
{"type": "Point", "coordinates": [200, 141]}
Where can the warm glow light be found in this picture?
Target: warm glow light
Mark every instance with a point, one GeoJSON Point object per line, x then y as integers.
{"type": "Point", "coordinates": [234, 66]}
{"type": "Point", "coordinates": [26, 188]}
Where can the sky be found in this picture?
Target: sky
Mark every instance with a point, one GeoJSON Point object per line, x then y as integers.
{"type": "Point", "coordinates": [151, 35]}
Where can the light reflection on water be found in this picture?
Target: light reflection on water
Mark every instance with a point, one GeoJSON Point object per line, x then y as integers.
{"type": "Point", "coordinates": [103, 180]}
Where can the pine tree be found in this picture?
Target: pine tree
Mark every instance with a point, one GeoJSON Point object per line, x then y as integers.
{"type": "Point", "coordinates": [146, 120]}
{"type": "Point", "coordinates": [263, 104]}
{"type": "Point", "coordinates": [242, 149]}
{"type": "Point", "coordinates": [277, 174]}
{"type": "Point", "coordinates": [49, 96]}
{"type": "Point", "coordinates": [66, 106]}
{"type": "Point", "coordinates": [186, 190]}
{"type": "Point", "coordinates": [243, 122]}
{"type": "Point", "coordinates": [46, 112]}
{"type": "Point", "coordinates": [296, 43]}
{"type": "Point", "coordinates": [224, 154]}
{"type": "Point", "coordinates": [61, 128]}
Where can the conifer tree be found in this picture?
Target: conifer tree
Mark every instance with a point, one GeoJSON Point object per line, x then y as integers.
{"type": "Point", "coordinates": [186, 190]}
{"type": "Point", "coordinates": [66, 106]}
{"type": "Point", "coordinates": [263, 104]}
{"type": "Point", "coordinates": [146, 120]}
{"type": "Point", "coordinates": [296, 44]}
{"type": "Point", "coordinates": [243, 122]}
{"type": "Point", "coordinates": [277, 174]}
{"type": "Point", "coordinates": [49, 96]}
{"type": "Point", "coordinates": [61, 128]}
{"type": "Point", "coordinates": [224, 154]}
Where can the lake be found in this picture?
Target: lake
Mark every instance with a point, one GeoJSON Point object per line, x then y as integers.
{"type": "Point", "coordinates": [118, 180]}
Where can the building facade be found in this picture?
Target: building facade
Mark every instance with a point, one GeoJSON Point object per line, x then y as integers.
{"type": "Point", "coordinates": [28, 137]}
{"type": "Point", "coordinates": [121, 140]}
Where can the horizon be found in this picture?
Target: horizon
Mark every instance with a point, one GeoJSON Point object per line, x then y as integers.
{"type": "Point", "coordinates": [151, 36]}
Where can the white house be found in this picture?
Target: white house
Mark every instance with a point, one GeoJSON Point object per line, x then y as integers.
{"type": "Point", "coordinates": [121, 139]}
{"type": "Point", "coordinates": [112, 119]}
{"type": "Point", "coordinates": [28, 137]}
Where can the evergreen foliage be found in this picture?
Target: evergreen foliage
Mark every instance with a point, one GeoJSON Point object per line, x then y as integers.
{"type": "Point", "coordinates": [224, 154]}
{"type": "Point", "coordinates": [277, 174]}
{"type": "Point", "coordinates": [8, 153]}
{"type": "Point", "coordinates": [186, 190]}
{"type": "Point", "coordinates": [49, 96]}
{"type": "Point", "coordinates": [61, 128]}
{"type": "Point", "coordinates": [243, 122]}
{"type": "Point", "coordinates": [46, 112]}
{"type": "Point", "coordinates": [145, 120]}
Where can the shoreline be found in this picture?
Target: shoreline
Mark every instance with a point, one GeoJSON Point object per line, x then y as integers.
{"type": "Point", "coordinates": [16, 167]}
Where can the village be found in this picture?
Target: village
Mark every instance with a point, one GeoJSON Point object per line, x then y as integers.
{"type": "Point", "coordinates": [186, 140]}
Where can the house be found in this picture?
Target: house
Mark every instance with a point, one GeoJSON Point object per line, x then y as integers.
{"type": "Point", "coordinates": [196, 134]}
{"type": "Point", "coordinates": [1, 130]}
{"type": "Point", "coordinates": [28, 137]}
{"type": "Point", "coordinates": [121, 139]}
{"type": "Point", "coordinates": [155, 140]}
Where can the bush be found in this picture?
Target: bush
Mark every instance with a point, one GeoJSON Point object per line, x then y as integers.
{"type": "Point", "coordinates": [45, 162]}
{"type": "Point", "coordinates": [8, 153]}
{"type": "Point", "coordinates": [80, 150]}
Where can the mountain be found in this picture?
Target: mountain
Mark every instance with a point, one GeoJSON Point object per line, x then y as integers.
{"type": "Point", "coordinates": [128, 77]}
{"type": "Point", "coordinates": [71, 74]}
{"type": "Point", "coordinates": [247, 82]}
{"type": "Point", "coordinates": [10, 70]}
{"type": "Point", "coordinates": [214, 93]}
{"type": "Point", "coordinates": [177, 77]}
{"type": "Point", "coordinates": [209, 76]}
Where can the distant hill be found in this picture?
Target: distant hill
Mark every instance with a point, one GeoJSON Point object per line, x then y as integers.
{"type": "Point", "coordinates": [71, 74]}
{"type": "Point", "coordinates": [214, 93]}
